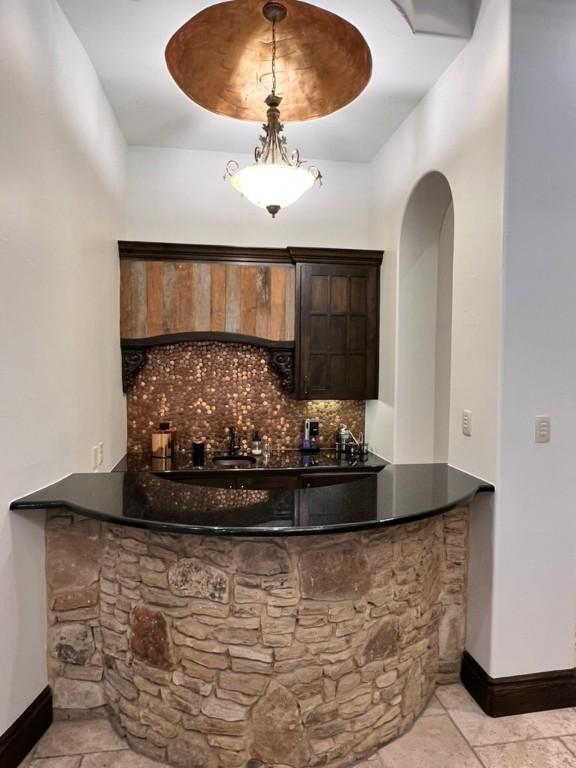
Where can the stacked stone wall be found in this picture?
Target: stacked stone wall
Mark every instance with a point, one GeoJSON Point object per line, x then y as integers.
{"type": "Point", "coordinates": [222, 653]}
{"type": "Point", "coordinates": [74, 550]}
{"type": "Point", "coordinates": [295, 652]}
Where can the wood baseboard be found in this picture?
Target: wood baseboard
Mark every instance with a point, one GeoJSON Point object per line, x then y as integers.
{"type": "Point", "coordinates": [521, 694]}
{"type": "Point", "coordinates": [22, 735]}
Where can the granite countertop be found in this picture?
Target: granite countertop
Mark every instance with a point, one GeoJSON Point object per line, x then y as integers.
{"type": "Point", "coordinates": [197, 501]}
{"type": "Point", "coordinates": [282, 462]}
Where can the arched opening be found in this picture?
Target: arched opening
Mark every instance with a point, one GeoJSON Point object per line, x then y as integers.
{"type": "Point", "coordinates": [425, 323]}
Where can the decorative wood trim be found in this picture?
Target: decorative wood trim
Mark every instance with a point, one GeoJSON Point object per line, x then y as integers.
{"type": "Point", "coordinates": [339, 256]}
{"type": "Point", "coordinates": [133, 360]}
{"type": "Point", "coordinates": [143, 251]}
{"type": "Point", "coordinates": [520, 694]}
{"type": "Point", "coordinates": [216, 336]}
{"type": "Point", "coordinates": [135, 352]}
{"type": "Point", "coordinates": [23, 734]}
{"type": "Point", "coordinates": [147, 251]}
{"type": "Point", "coordinates": [282, 361]}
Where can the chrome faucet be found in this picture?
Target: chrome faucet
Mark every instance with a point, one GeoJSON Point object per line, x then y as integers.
{"type": "Point", "coordinates": [233, 444]}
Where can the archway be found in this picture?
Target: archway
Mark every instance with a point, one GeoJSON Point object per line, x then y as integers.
{"type": "Point", "coordinates": [424, 337]}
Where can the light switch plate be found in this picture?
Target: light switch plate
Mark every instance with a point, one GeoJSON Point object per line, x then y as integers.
{"type": "Point", "coordinates": [467, 423]}
{"type": "Point", "coordinates": [542, 429]}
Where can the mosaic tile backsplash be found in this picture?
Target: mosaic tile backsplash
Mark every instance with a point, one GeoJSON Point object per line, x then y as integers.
{"type": "Point", "coordinates": [204, 388]}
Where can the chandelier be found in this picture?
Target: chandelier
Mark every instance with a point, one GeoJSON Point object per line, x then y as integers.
{"type": "Point", "coordinates": [275, 180]}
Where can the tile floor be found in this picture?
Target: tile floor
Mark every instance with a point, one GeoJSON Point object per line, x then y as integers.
{"type": "Point", "coordinates": [452, 733]}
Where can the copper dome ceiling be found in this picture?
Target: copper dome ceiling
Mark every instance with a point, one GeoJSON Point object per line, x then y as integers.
{"type": "Point", "coordinates": [221, 59]}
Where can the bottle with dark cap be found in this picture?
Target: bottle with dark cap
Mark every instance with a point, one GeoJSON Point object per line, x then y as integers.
{"type": "Point", "coordinates": [163, 440]}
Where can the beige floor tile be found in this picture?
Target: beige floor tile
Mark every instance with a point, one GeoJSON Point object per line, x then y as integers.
{"type": "Point", "coordinates": [124, 759]}
{"type": "Point", "coordinates": [56, 762]}
{"type": "Point", "coordinates": [434, 707]}
{"type": "Point", "coordinates": [78, 738]}
{"type": "Point", "coordinates": [570, 742]}
{"type": "Point", "coordinates": [433, 742]}
{"type": "Point", "coordinates": [481, 730]}
{"type": "Point", "coordinates": [455, 697]}
{"type": "Point", "coordinates": [544, 753]}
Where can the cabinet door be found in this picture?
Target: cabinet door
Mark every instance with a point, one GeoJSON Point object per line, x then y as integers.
{"type": "Point", "coordinates": [269, 480]}
{"type": "Point", "coordinates": [337, 332]}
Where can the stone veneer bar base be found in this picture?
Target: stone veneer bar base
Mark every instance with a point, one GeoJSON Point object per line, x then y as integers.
{"type": "Point", "coordinates": [214, 652]}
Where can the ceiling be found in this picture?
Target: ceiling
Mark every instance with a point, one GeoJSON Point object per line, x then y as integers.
{"type": "Point", "coordinates": [125, 40]}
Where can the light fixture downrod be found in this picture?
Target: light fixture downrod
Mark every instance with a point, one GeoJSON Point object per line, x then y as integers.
{"type": "Point", "coordinates": [274, 181]}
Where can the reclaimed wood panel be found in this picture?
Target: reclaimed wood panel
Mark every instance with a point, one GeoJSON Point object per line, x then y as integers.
{"type": "Point", "coordinates": [290, 306]}
{"type": "Point", "coordinates": [218, 298]}
{"type": "Point", "coordinates": [164, 297]}
{"type": "Point", "coordinates": [126, 314]}
{"type": "Point", "coordinates": [155, 298]}
{"type": "Point", "coordinates": [169, 294]}
{"type": "Point", "coordinates": [232, 299]}
{"type": "Point", "coordinates": [184, 296]}
{"type": "Point", "coordinates": [277, 302]}
{"type": "Point", "coordinates": [263, 302]}
{"type": "Point", "coordinates": [202, 298]}
{"type": "Point", "coordinates": [133, 299]}
{"type": "Point", "coordinates": [248, 300]}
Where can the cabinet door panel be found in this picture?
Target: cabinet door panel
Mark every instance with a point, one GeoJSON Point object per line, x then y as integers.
{"type": "Point", "coordinates": [356, 372]}
{"type": "Point", "coordinates": [338, 294]}
{"type": "Point", "coordinates": [317, 381]}
{"type": "Point", "coordinates": [338, 366]}
{"type": "Point", "coordinates": [357, 341]}
{"type": "Point", "coordinates": [319, 333]}
{"type": "Point", "coordinates": [358, 295]}
{"type": "Point", "coordinates": [338, 331]}
{"type": "Point", "coordinates": [319, 294]}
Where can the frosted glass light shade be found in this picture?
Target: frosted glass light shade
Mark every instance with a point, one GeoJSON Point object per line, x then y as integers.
{"type": "Point", "coordinates": [270, 185]}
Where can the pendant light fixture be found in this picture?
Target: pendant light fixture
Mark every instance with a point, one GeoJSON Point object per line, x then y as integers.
{"type": "Point", "coordinates": [274, 180]}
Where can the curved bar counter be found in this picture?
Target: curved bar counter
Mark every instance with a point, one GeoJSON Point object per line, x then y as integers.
{"type": "Point", "coordinates": [228, 627]}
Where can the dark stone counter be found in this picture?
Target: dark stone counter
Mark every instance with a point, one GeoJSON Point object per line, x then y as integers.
{"type": "Point", "coordinates": [282, 462]}
{"type": "Point", "coordinates": [287, 497]}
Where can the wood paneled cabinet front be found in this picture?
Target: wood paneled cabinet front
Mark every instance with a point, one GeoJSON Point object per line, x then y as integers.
{"type": "Point", "coordinates": [337, 323]}
{"type": "Point", "coordinates": [315, 309]}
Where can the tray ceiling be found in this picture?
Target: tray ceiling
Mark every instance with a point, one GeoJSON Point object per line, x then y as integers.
{"type": "Point", "coordinates": [126, 40]}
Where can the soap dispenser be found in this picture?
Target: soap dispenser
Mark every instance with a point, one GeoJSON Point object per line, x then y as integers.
{"type": "Point", "coordinates": [256, 444]}
{"type": "Point", "coordinates": [309, 443]}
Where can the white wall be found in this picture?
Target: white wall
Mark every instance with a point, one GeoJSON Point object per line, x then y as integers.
{"type": "Point", "coordinates": [535, 547]}
{"type": "Point", "coordinates": [443, 361]}
{"type": "Point", "coordinates": [178, 195]}
{"type": "Point", "coordinates": [419, 335]}
{"type": "Point", "coordinates": [459, 130]}
{"type": "Point", "coordinates": [501, 126]}
{"type": "Point", "coordinates": [61, 197]}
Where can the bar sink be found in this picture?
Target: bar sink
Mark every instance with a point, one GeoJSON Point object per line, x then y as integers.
{"type": "Point", "coordinates": [234, 462]}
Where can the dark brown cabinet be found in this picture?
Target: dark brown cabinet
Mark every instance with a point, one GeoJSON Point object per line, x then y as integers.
{"type": "Point", "coordinates": [323, 345]}
{"type": "Point", "coordinates": [337, 323]}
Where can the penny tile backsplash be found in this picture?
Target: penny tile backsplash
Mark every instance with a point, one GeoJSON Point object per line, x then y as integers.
{"type": "Point", "coordinates": [205, 387]}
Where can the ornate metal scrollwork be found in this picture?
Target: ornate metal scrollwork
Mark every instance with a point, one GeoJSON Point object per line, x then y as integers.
{"type": "Point", "coordinates": [133, 360]}
{"type": "Point", "coordinates": [282, 361]}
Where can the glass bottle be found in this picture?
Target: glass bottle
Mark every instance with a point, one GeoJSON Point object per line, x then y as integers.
{"type": "Point", "coordinates": [256, 444]}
